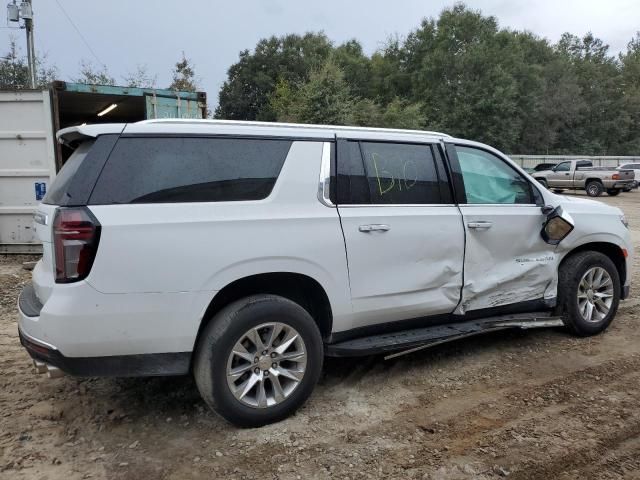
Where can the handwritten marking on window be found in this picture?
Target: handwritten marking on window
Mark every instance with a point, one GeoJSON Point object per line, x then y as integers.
{"type": "Point", "coordinates": [387, 181]}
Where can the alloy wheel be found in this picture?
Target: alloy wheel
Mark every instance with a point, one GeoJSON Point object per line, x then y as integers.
{"type": "Point", "coordinates": [266, 365]}
{"type": "Point", "coordinates": [595, 294]}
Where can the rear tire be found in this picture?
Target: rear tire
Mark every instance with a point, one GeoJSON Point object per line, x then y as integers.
{"type": "Point", "coordinates": [577, 289]}
{"type": "Point", "coordinates": [594, 188]}
{"type": "Point", "coordinates": [230, 337]}
{"type": "Point", "coordinates": [613, 192]}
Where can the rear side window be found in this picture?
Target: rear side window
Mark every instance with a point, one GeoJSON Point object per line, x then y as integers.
{"type": "Point", "coordinates": [174, 170]}
{"type": "Point", "coordinates": [387, 173]}
{"type": "Point", "coordinates": [59, 190]}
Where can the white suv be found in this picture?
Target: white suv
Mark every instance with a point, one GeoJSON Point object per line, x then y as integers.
{"type": "Point", "coordinates": [244, 252]}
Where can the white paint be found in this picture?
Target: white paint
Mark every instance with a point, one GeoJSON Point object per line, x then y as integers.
{"type": "Point", "coordinates": [159, 265]}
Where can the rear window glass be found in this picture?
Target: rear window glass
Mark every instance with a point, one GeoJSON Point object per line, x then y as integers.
{"type": "Point", "coordinates": [59, 189]}
{"type": "Point", "coordinates": [172, 170]}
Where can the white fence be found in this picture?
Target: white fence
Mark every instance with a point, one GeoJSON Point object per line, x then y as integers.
{"type": "Point", "coordinates": [530, 161]}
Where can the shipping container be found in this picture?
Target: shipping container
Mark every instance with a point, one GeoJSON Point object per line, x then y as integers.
{"type": "Point", "coordinates": [30, 157]}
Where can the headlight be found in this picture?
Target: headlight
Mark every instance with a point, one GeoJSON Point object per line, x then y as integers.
{"type": "Point", "coordinates": [623, 219]}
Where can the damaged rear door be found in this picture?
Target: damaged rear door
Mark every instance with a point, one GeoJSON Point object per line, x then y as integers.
{"type": "Point", "coordinates": [403, 233]}
{"type": "Point", "coordinates": [507, 263]}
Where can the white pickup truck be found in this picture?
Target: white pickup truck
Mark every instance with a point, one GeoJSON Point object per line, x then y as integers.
{"type": "Point", "coordinates": [582, 175]}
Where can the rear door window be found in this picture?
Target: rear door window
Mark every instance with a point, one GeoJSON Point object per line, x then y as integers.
{"type": "Point", "coordinates": [387, 173]}
{"type": "Point", "coordinates": [193, 169]}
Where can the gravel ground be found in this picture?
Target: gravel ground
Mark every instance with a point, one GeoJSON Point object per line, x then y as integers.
{"type": "Point", "coordinates": [537, 404]}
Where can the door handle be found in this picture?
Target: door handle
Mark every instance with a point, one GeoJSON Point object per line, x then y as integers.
{"type": "Point", "coordinates": [377, 227]}
{"type": "Point", "coordinates": [567, 173]}
{"type": "Point", "coordinates": [479, 225]}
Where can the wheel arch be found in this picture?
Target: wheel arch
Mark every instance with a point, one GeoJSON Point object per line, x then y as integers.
{"type": "Point", "coordinates": [297, 287]}
{"type": "Point", "coordinates": [593, 179]}
{"type": "Point", "coordinates": [611, 250]}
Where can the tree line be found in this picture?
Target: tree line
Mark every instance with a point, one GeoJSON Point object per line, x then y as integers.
{"type": "Point", "coordinates": [14, 73]}
{"type": "Point", "coordinates": [459, 73]}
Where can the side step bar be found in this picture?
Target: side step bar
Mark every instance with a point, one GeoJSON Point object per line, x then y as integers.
{"type": "Point", "coordinates": [409, 341]}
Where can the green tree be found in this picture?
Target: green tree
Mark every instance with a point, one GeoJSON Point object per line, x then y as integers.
{"type": "Point", "coordinates": [92, 75]}
{"type": "Point", "coordinates": [252, 80]}
{"type": "Point", "coordinates": [600, 126]}
{"type": "Point", "coordinates": [459, 73]}
{"type": "Point", "coordinates": [184, 77]}
{"type": "Point", "coordinates": [630, 65]}
{"type": "Point", "coordinates": [14, 71]}
{"type": "Point", "coordinates": [140, 78]}
{"type": "Point", "coordinates": [324, 99]}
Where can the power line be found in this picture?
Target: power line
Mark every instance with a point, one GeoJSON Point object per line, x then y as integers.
{"type": "Point", "coordinates": [80, 34]}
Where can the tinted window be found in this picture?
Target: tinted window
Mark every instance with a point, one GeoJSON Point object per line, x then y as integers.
{"type": "Point", "coordinates": [353, 187]}
{"type": "Point", "coordinates": [563, 167]}
{"type": "Point", "coordinates": [400, 173]}
{"type": "Point", "coordinates": [489, 179]}
{"type": "Point", "coordinates": [57, 194]}
{"type": "Point", "coordinates": [165, 170]}
{"type": "Point", "coordinates": [583, 163]}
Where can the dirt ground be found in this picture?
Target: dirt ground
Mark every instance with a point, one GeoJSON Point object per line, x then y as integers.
{"type": "Point", "coordinates": [537, 404]}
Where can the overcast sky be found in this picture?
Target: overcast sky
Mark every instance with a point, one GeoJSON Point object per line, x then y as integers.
{"type": "Point", "coordinates": [124, 34]}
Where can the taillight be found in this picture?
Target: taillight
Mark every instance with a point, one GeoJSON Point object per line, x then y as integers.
{"type": "Point", "coordinates": [615, 176]}
{"type": "Point", "coordinates": [76, 234]}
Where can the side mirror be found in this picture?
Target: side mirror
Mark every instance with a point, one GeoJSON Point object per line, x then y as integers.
{"type": "Point", "coordinates": [546, 209]}
{"type": "Point", "coordinates": [555, 228]}
{"type": "Point", "coordinates": [553, 169]}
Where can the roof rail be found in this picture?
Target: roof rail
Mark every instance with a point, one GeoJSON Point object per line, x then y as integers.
{"type": "Point", "coordinates": [248, 123]}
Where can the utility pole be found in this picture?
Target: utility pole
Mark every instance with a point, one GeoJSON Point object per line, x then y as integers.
{"type": "Point", "coordinates": [27, 16]}
{"type": "Point", "coordinates": [25, 12]}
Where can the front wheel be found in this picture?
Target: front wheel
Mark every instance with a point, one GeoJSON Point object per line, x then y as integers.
{"type": "Point", "coordinates": [613, 192]}
{"type": "Point", "coordinates": [594, 188]}
{"type": "Point", "coordinates": [258, 360]}
{"type": "Point", "coordinates": [543, 182]}
{"type": "Point", "coordinates": [589, 292]}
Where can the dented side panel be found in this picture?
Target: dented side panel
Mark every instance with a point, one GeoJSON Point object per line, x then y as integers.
{"type": "Point", "coordinates": [412, 268]}
{"type": "Point", "coordinates": [508, 262]}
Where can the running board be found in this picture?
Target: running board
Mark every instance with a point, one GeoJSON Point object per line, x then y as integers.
{"type": "Point", "coordinates": [409, 341]}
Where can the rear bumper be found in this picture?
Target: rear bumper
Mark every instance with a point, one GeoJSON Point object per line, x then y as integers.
{"type": "Point", "coordinates": [45, 349]}
{"type": "Point", "coordinates": [623, 184]}
{"type": "Point", "coordinates": [145, 365]}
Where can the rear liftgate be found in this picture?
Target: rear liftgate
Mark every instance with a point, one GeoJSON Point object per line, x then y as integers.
{"type": "Point", "coordinates": [409, 341]}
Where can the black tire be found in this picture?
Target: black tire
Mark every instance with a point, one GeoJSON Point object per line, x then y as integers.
{"type": "Point", "coordinates": [613, 192]}
{"type": "Point", "coordinates": [571, 272]}
{"type": "Point", "coordinates": [557, 190]}
{"type": "Point", "coordinates": [594, 188]}
{"type": "Point", "coordinates": [218, 339]}
{"type": "Point", "coordinates": [543, 182]}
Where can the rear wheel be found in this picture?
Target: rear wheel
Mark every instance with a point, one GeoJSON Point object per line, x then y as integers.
{"type": "Point", "coordinates": [613, 192]}
{"type": "Point", "coordinates": [589, 292]}
{"type": "Point", "coordinates": [594, 188]}
{"type": "Point", "coordinates": [258, 360]}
